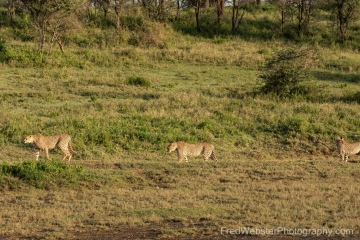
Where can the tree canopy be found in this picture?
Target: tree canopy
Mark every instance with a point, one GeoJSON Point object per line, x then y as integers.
{"type": "Point", "coordinates": [50, 20]}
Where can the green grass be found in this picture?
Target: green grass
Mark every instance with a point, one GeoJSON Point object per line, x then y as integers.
{"type": "Point", "coordinates": [42, 174]}
{"type": "Point", "coordinates": [277, 161]}
{"type": "Point", "coordinates": [193, 103]}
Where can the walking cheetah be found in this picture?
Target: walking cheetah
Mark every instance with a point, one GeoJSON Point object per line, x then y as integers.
{"type": "Point", "coordinates": [186, 149]}
{"type": "Point", "coordinates": [63, 141]}
{"type": "Point", "coordinates": [346, 149]}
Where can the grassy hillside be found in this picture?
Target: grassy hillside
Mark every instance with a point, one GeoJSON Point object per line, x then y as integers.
{"type": "Point", "coordinates": [104, 112]}
{"type": "Point", "coordinates": [277, 166]}
{"type": "Point", "coordinates": [123, 105]}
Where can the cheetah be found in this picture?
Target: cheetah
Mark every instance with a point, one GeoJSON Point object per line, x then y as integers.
{"type": "Point", "coordinates": [186, 149]}
{"type": "Point", "coordinates": [63, 141]}
{"type": "Point", "coordinates": [346, 149]}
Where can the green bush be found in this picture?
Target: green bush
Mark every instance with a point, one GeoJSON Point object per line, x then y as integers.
{"type": "Point", "coordinates": [285, 72]}
{"type": "Point", "coordinates": [42, 174]}
{"type": "Point", "coordinates": [138, 81]}
{"type": "Point", "coordinates": [4, 52]}
{"type": "Point", "coordinates": [292, 125]}
{"type": "Point", "coordinates": [132, 23]}
{"type": "Point", "coordinates": [25, 57]}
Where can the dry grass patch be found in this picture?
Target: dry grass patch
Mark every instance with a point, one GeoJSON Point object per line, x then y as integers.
{"type": "Point", "coordinates": [234, 193]}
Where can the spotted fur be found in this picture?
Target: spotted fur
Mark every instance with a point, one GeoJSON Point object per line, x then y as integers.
{"type": "Point", "coordinates": [193, 150]}
{"type": "Point", "coordinates": [63, 141]}
{"type": "Point", "coordinates": [346, 149]}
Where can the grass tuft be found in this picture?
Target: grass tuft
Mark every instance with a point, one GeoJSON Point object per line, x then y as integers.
{"type": "Point", "coordinates": [138, 81]}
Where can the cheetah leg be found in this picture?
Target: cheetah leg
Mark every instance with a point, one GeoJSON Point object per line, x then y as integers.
{"type": "Point", "coordinates": [47, 154]}
{"type": "Point", "coordinates": [213, 156]}
{"type": "Point", "coordinates": [181, 157]}
{"type": "Point", "coordinates": [37, 155]}
{"type": "Point", "coordinates": [66, 154]}
{"type": "Point", "coordinates": [207, 153]}
{"type": "Point", "coordinates": [342, 157]}
{"type": "Point", "coordinates": [346, 158]}
{"type": "Point", "coordinates": [186, 159]}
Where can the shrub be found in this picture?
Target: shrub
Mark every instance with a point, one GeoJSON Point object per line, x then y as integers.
{"type": "Point", "coordinates": [138, 81]}
{"type": "Point", "coordinates": [292, 125]}
{"type": "Point", "coordinates": [285, 72]}
{"type": "Point", "coordinates": [43, 174]}
{"type": "Point", "coordinates": [4, 53]}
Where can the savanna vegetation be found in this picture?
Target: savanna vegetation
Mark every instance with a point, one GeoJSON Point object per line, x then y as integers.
{"type": "Point", "coordinates": [269, 83]}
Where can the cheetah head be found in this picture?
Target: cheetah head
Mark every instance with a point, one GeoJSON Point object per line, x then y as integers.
{"type": "Point", "coordinates": [29, 139]}
{"type": "Point", "coordinates": [339, 140]}
{"type": "Point", "coordinates": [172, 147]}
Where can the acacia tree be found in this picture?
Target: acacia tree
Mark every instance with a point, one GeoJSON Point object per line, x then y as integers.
{"type": "Point", "coordinates": [197, 7]}
{"type": "Point", "coordinates": [51, 17]}
{"type": "Point", "coordinates": [346, 12]}
{"type": "Point", "coordinates": [284, 7]}
{"type": "Point", "coordinates": [11, 6]}
{"type": "Point", "coordinates": [220, 4]}
{"type": "Point", "coordinates": [177, 17]}
{"type": "Point", "coordinates": [103, 5]}
{"type": "Point", "coordinates": [57, 27]}
{"type": "Point", "coordinates": [118, 4]}
{"type": "Point", "coordinates": [239, 9]}
{"type": "Point", "coordinates": [303, 9]}
{"type": "Point", "coordinates": [155, 8]}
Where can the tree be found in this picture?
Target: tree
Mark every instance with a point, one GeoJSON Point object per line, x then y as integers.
{"type": "Point", "coordinates": [177, 17]}
{"type": "Point", "coordinates": [197, 7]}
{"type": "Point", "coordinates": [303, 9]}
{"type": "Point", "coordinates": [284, 7]}
{"type": "Point", "coordinates": [118, 4]}
{"type": "Point", "coordinates": [104, 5]}
{"type": "Point", "coordinates": [346, 12]}
{"type": "Point", "coordinates": [155, 8]}
{"type": "Point", "coordinates": [52, 17]}
{"type": "Point", "coordinates": [220, 4]}
{"type": "Point", "coordinates": [207, 4]}
{"type": "Point", "coordinates": [237, 16]}
{"type": "Point", "coordinates": [57, 26]}
{"type": "Point", "coordinates": [11, 6]}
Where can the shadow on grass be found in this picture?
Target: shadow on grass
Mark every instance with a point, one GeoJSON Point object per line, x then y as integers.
{"type": "Point", "coordinates": [354, 161]}
{"type": "Point", "coordinates": [337, 77]}
{"type": "Point", "coordinates": [262, 28]}
{"type": "Point", "coordinates": [253, 30]}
